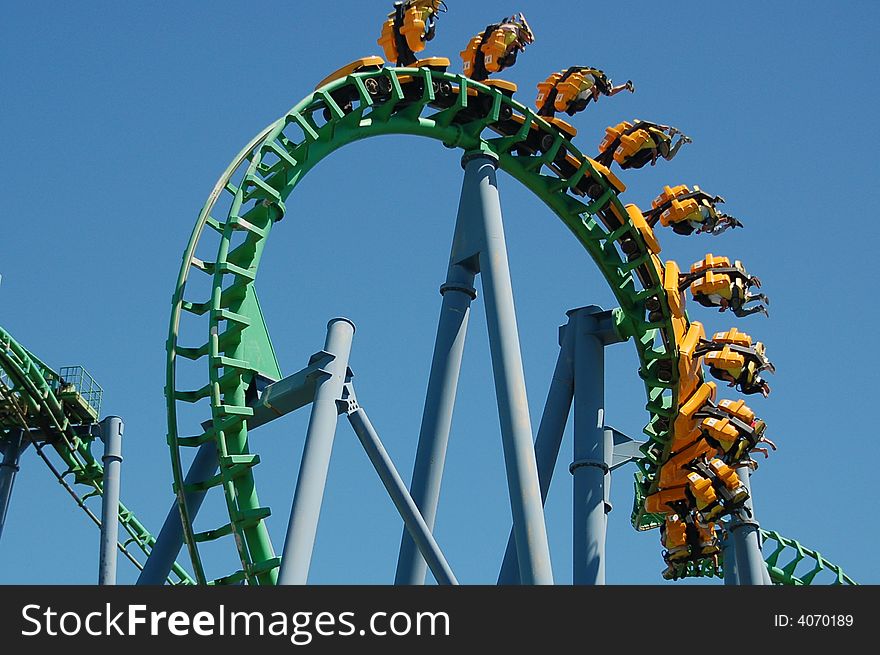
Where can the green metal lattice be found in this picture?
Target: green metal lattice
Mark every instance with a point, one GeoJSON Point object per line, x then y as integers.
{"type": "Point", "coordinates": [29, 401]}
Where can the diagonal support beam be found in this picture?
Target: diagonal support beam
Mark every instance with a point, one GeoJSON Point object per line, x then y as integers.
{"type": "Point", "coordinates": [579, 377]}
{"type": "Point", "coordinates": [549, 439]}
{"type": "Point", "coordinates": [170, 539]}
{"type": "Point", "coordinates": [479, 247]}
{"type": "Point", "coordinates": [529, 527]}
{"type": "Point", "coordinates": [394, 485]}
{"type": "Point", "coordinates": [458, 292]}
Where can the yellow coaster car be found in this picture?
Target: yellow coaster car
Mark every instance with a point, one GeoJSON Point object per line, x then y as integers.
{"type": "Point", "coordinates": [715, 283]}
{"type": "Point", "coordinates": [633, 145]}
{"type": "Point", "coordinates": [358, 65]}
{"type": "Point", "coordinates": [496, 48]}
{"type": "Point", "coordinates": [686, 536]}
{"type": "Point", "coordinates": [733, 428]}
{"type": "Point", "coordinates": [346, 96]}
{"type": "Point", "coordinates": [687, 211]}
{"type": "Point", "coordinates": [572, 90]}
{"type": "Point", "coordinates": [408, 28]}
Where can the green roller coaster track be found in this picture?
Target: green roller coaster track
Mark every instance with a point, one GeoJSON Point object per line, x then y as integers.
{"type": "Point", "coordinates": [460, 113]}
{"type": "Point", "coordinates": [28, 401]}
{"type": "Point", "coordinates": [786, 573]}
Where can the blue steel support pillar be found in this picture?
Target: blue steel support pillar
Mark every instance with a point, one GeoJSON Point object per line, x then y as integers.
{"type": "Point", "coordinates": [12, 450]}
{"type": "Point", "coordinates": [532, 546]}
{"type": "Point", "coordinates": [608, 433]}
{"type": "Point", "coordinates": [750, 503]}
{"type": "Point", "coordinates": [594, 330]}
{"type": "Point", "coordinates": [170, 540]}
{"type": "Point", "coordinates": [728, 552]}
{"type": "Point", "coordinates": [549, 439]}
{"type": "Point", "coordinates": [457, 292]}
{"type": "Point", "coordinates": [111, 433]}
{"type": "Point", "coordinates": [403, 501]}
{"type": "Point", "coordinates": [750, 566]}
{"type": "Point", "coordinates": [310, 482]}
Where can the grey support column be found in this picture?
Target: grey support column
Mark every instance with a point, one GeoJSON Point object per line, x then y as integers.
{"type": "Point", "coordinates": [750, 503]}
{"type": "Point", "coordinates": [728, 552]}
{"type": "Point", "coordinates": [12, 450]}
{"type": "Point", "coordinates": [111, 433]}
{"type": "Point", "coordinates": [608, 433]}
{"type": "Point", "coordinates": [588, 467]}
{"type": "Point", "coordinates": [529, 528]}
{"type": "Point", "coordinates": [750, 566]}
{"type": "Point", "coordinates": [458, 292]}
{"type": "Point", "coordinates": [592, 447]}
{"type": "Point", "coordinates": [310, 482]}
{"type": "Point", "coordinates": [170, 540]}
{"type": "Point", "coordinates": [403, 501]}
{"type": "Point", "coordinates": [549, 439]}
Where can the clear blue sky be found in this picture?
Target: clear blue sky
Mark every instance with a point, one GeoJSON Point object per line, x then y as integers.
{"type": "Point", "coordinates": [117, 118]}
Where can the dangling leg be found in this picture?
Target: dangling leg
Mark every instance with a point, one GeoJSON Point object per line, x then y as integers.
{"type": "Point", "coordinates": [723, 223]}
{"type": "Point", "coordinates": [682, 139]}
{"type": "Point", "coordinates": [741, 312]}
{"type": "Point", "coordinates": [621, 87]}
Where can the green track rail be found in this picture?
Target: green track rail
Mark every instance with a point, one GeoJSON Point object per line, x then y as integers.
{"type": "Point", "coordinates": [29, 403]}
{"type": "Point", "coordinates": [790, 563]}
{"type": "Point", "coordinates": [236, 344]}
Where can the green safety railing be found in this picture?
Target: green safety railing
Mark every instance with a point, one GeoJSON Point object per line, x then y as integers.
{"type": "Point", "coordinates": [28, 401]}
{"type": "Point", "coordinates": [75, 380]}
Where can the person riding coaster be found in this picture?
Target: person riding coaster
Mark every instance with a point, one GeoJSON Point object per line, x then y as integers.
{"type": "Point", "coordinates": [686, 536]}
{"type": "Point", "coordinates": [732, 427]}
{"type": "Point", "coordinates": [687, 211]}
{"type": "Point", "coordinates": [714, 487]}
{"type": "Point", "coordinates": [408, 28]}
{"type": "Point", "coordinates": [572, 89]}
{"type": "Point", "coordinates": [715, 283]}
{"type": "Point", "coordinates": [633, 145]}
{"type": "Point", "coordinates": [732, 358]}
{"type": "Point", "coordinates": [496, 47]}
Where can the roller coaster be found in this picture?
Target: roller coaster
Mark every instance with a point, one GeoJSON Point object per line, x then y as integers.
{"type": "Point", "coordinates": [692, 470]}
